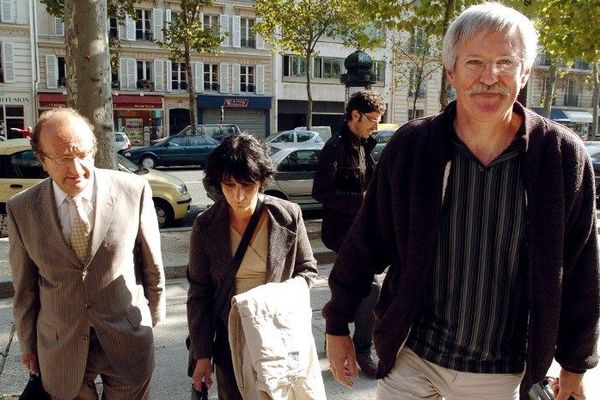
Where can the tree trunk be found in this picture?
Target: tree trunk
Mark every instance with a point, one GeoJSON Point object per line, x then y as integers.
{"type": "Point", "coordinates": [88, 72]}
{"type": "Point", "coordinates": [448, 14]}
{"type": "Point", "coordinates": [308, 94]}
{"type": "Point", "coordinates": [550, 88]}
{"type": "Point", "coordinates": [595, 95]}
{"type": "Point", "coordinates": [190, 89]}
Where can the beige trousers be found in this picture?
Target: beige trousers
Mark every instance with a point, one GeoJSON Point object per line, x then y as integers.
{"type": "Point", "coordinates": [414, 378]}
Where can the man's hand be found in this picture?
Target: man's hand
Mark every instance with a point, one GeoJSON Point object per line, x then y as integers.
{"type": "Point", "coordinates": [30, 362]}
{"type": "Point", "coordinates": [568, 384]}
{"type": "Point", "coordinates": [342, 359]}
{"type": "Point", "coordinates": [202, 373]}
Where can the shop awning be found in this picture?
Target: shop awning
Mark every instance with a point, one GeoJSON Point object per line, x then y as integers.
{"type": "Point", "coordinates": [136, 101]}
{"type": "Point", "coordinates": [581, 117]}
{"type": "Point", "coordinates": [556, 114]}
{"type": "Point", "coordinates": [128, 101]}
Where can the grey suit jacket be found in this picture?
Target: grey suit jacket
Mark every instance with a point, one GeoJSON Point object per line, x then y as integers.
{"type": "Point", "coordinates": [119, 290]}
{"type": "Point", "coordinates": [289, 255]}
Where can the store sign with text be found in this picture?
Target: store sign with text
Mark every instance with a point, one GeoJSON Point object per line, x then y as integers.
{"type": "Point", "coordinates": [238, 103]}
{"type": "Point", "coordinates": [14, 100]}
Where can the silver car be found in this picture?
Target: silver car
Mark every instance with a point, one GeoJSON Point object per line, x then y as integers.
{"type": "Point", "coordinates": [296, 168]}
{"type": "Point", "coordinates": [295, 138]}
{"type": "Point", "coordinates": [121, 141]}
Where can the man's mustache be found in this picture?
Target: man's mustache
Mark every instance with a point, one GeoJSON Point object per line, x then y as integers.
{"type": "Point", "coordinates": [483, 88]}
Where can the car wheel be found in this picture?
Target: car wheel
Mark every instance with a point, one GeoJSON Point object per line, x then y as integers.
{"type": "Point", "coordinates": [164, 213]}
{"type": "Point", "coordinates": [148, 162]}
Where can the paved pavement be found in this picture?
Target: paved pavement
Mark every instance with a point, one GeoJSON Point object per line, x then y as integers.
{"type": "Point", "coordinates": [170, 381]}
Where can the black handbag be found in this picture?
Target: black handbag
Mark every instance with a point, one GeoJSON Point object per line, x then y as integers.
{"type": "Point", "coordinates": [34, 390]}
{"type": "Point", "coordinates": [221, 296]}
{"type": "Point", "coordinates": [201, 394]}
{"type": "Point", "coordinates": [543, 391]}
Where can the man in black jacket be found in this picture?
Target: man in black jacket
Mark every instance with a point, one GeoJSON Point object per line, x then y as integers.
{"type": "Point", "coordinates": [345, 169]}
{"type": "Point", "coordinates": [484, 216]}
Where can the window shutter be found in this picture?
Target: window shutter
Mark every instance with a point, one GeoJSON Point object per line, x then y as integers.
{"type": "Point", "coordinates": [235, 78]}
{"type": "Point", "coordinates": [157, 20]}
{"type": "Point", "coordinates": [8, 62]}
{"type": "Point", "coordinates": [59, 27]}
{"type": "Point", "coordinates": [260, 43]}
{"type": "Point", "coordinates": [198, 77]}
{"type": "Point", "coordinates": [224, 78]}
{"type": "Point", "coordinates": [169, 66]}
{"type": "Point", "coordinates": [168, 16]}
{"type": "Point", "coordinates": [121, 29]}
{"type": "Point", "coordinates": [159, 75]}
{"type": "Point", "coordinates": [236, 21]}
{"type": "Point", "coordinates": [224, 29]}
{"type": "Point", "coordinates": [51, 71]}
{"type": "Point", "coordinates": [260, 79]}
{"type": "Point", "coordinates": [9, 11]}
{"type": "Point", "coordinates": [202, 20]}
{"type": "Point", "coordinates": [122, 73]}
{"type": "Point", "coordinates": [131, 74]}
{"type": "Point", "coordinates": [129, 28]}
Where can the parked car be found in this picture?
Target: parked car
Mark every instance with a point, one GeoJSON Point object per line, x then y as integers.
{"type": "Point", "coordinates": [324, 130]}
{"type": "Point", "coordinates": [19, 170]}
{"type": "Point", "coordinates": [382, 138]}
{"type": "Point", "coordinates": [295, 138]}
{"type": "Point", "coordinates": [593, 149]}
{"type": "Point", "coordinates": [174, 150]}
{"type": "Point", "coordinates": [216, 131]}
{"type": "Point", "coordinates": [121, 141]}
{"type": "Point", "coordinates": [296, 168]}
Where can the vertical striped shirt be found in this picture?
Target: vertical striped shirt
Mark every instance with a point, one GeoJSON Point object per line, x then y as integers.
{"type": "Point", "coordinates": [474, 317]}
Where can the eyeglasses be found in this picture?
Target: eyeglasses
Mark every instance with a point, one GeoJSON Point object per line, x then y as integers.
{"type": "Point", "coordinates": [374, 121]}
{"type": "Point", "coordinates": [502, 65]}
{"type": "Point", "coordinates": [79, 156]}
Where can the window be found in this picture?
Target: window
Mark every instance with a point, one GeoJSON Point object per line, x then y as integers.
{"type": "Point", "coordinates": [113, 28]}
{"type": "Point", "coordinates": [328, 67]}
{"type": "Point", "coordinates": [247, 78]}
{"type": "Point", "coordinates": [571, 96]}
{"type": "Point", "coordinates": [378, 70]}
{"type": "Point", "coordinates": [11, 117]}
{"type": "Point", "coordinates": [417, 43]}
{"type": "Point", "coordinates": [415, 84]}
{"type": "Point", "coordinates": [7, 66]}
{"type": "Point", "coordinates": [144, 75]}
{"type": "Point", "coordinates": [294, 66]}
{"type": "Point", "coordinates": [247, 37]}
{"type": "Point", "coordinates": [8, 11]}
{"type": "Point", "coordinates": [211, 77]}
{"type": "Point", "coordinates": [300, 161]}
{"type": "Point", "coordinates": [1, 65]}
{"type": "Point", "coordinates": [178, 76]}
{"type": "Point", "coordinates": [303, 136]}
{"type": "Point", "coordinates": [211, 21]}
{"type": "Point", "coordinates": [23, 164]}
{"type": "Point", "coordinates": [416, 114]}
{"type": "Point", "coordinates": [62, 72]}
{"type": "Point", "coordinates": [143, 25]}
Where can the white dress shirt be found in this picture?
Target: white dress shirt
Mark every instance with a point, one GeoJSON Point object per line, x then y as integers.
{"type": "Point", "coordinates": [63, 208]}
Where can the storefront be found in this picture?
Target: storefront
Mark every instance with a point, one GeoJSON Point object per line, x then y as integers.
{"type": "Point", "coordinates": [139, 116]}
{"type": "Point", "coordinates": [292, 113]}
{"type": "Point", "coordinates": [249, 113]}
{"type": "Point", "coordinates": [15, 114]}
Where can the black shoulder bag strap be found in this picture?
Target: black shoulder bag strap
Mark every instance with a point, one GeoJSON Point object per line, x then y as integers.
{"type": "Point", "coordinates": [221, 296]}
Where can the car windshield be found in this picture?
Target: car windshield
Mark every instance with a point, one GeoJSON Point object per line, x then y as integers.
{"type": "Point", "coordinates": [384, 136]}
{"type": "Point", "coordinates": [593, 150]}
{"type": "Point", "coordinates": [128, 165]}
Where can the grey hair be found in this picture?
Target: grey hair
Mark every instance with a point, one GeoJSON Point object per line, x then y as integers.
{"type": "Point", "coordinates": [490, 17]}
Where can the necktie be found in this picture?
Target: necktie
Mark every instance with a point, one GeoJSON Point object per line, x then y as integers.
{"type": "Point", "coordinates": [80, 228]}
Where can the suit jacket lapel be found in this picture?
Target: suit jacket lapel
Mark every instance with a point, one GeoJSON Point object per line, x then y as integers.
{"type": "Point", "coordinates": [281, 240]}
{"type": "Point", "coordinates": [47, 216]}
{"type": "Point", "coordinates": [103, 211]}
{"type": "Point", "coordinates": [220, 229]}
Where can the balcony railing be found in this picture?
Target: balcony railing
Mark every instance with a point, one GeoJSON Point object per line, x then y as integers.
{"type": "Point", "coordinates": [144, 35]}
{"type": "Point", "coordinates": [248, 42]}
{"type": "Point", "coordinates": [145, 84]}
{"type": "Point", "coordinates": [211, 86]}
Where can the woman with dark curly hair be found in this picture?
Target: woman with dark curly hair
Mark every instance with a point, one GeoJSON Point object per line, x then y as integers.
{"type": "Point", "coordinates": [279, 249]}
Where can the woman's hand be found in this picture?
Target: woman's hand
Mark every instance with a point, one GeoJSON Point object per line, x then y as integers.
{"type": "Point", "coordinates": [202, 373]}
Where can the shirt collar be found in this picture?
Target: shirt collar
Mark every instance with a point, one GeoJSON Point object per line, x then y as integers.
{"type": "Point", "coordinates": [87, 193]}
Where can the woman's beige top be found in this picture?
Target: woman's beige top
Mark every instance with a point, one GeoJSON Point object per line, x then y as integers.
{"type": "Point", "coordinates": [253, 269]}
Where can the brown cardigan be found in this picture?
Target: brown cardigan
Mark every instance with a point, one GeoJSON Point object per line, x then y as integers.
{"type": "Point", "coordinates": [399, 223]}
{"type": "Point", "coordinates": [289, 255]}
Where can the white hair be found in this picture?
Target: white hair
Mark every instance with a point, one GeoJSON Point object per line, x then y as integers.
{"type": "Point", "coordinates": [490, 17]}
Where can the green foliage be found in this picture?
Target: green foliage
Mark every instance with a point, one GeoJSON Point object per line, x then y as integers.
{"type": "Point", "coordinates": [116, 8]}
{"type": "Point", "coordinates": [186, 33]}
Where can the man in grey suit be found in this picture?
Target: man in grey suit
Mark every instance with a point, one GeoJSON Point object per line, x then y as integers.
{"type": "Point", "coordinates": [87, 268]}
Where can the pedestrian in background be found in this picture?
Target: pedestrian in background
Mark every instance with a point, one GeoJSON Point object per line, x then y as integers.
{"type": "Point", "coordinates": [343, 174]}
{"type": "Point", "coordinates": [485, 214]}
{"type": "Point", "coordinates": [87, 268]}
{"type": "Point", "coordinates": [279, 250]}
